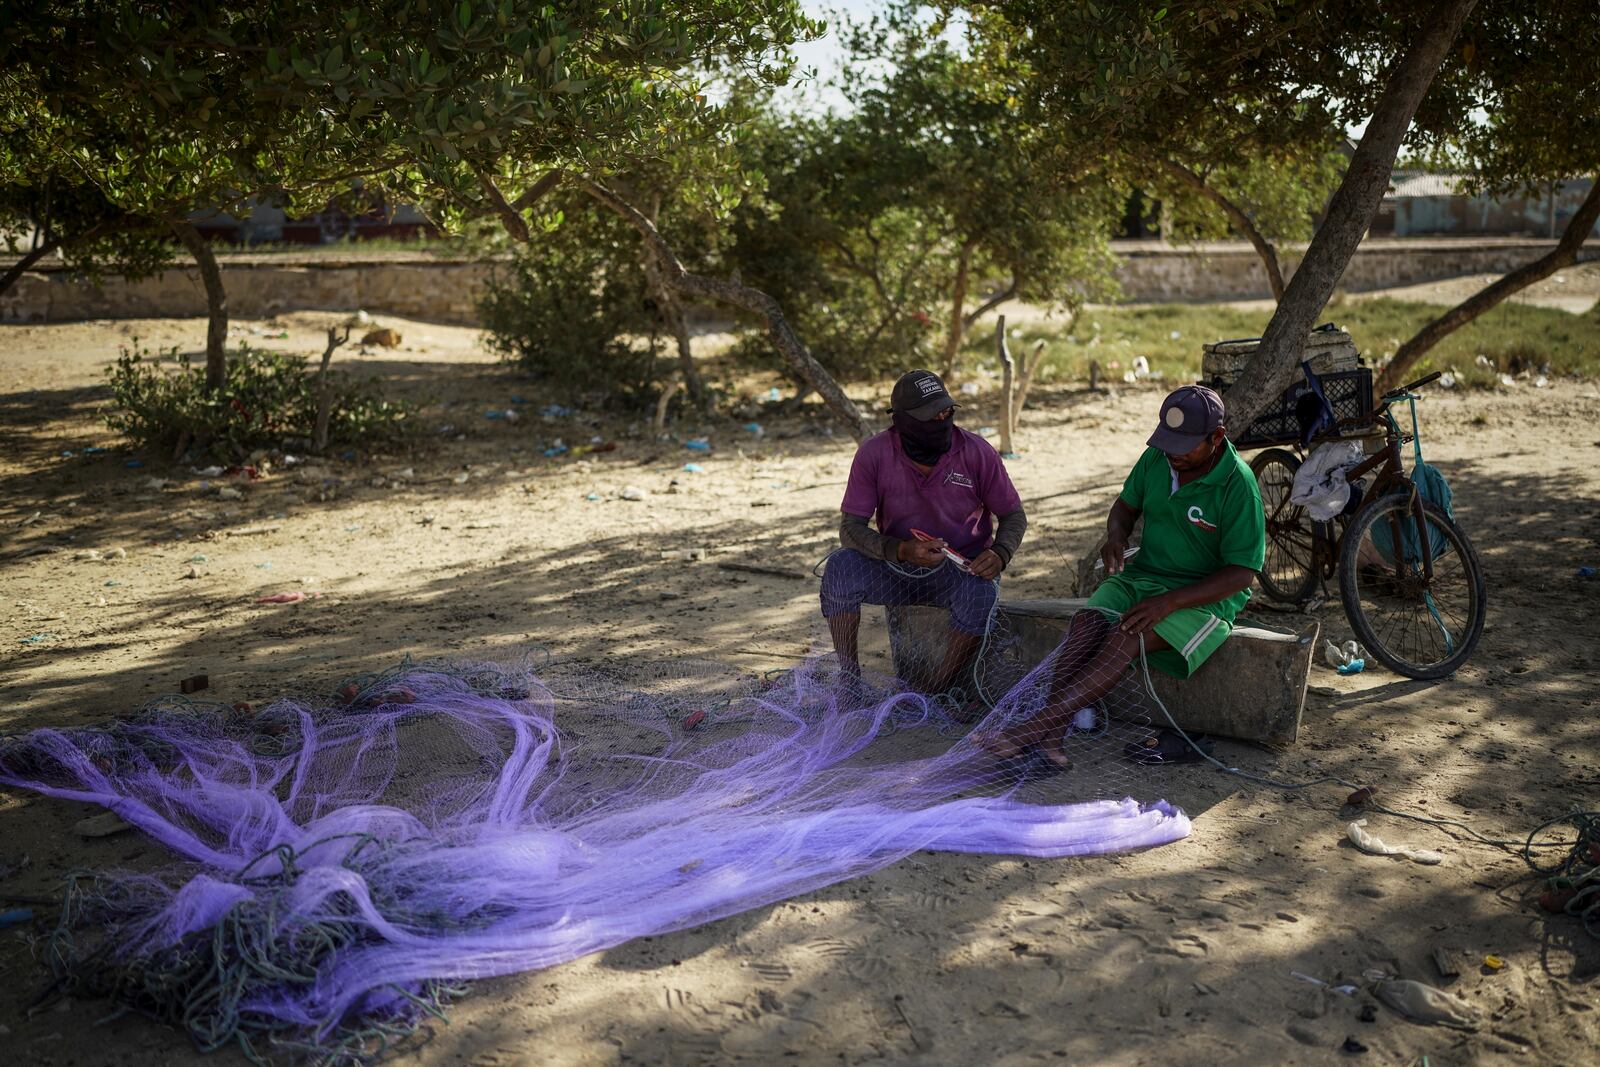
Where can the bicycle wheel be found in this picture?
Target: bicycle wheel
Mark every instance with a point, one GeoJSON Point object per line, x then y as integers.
{"type": "Point", "coordinates": [1289, 573]}
{"type": "Point", "coordinates": [1417, 626]}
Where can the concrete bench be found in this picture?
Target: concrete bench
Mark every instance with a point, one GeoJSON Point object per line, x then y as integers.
{"type": "Point", "coordinates": [1253, 687]}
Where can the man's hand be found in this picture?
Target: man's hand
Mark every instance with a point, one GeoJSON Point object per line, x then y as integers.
{"type": "Point", "coordinates": [1145, 614]}
{"type": "Point", "coordinates": [923, 553]}
{"type": "Point", "coordinates": [988, 564]}
{"type": "Point", "coordinates": [1111, 555]}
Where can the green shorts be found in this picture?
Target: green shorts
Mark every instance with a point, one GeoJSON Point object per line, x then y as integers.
{"type": "Point", "coordinates": [1193, 633]}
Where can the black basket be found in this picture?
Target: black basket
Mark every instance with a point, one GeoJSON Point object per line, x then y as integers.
{"type": "Point", "coordinates": [1349, 391]}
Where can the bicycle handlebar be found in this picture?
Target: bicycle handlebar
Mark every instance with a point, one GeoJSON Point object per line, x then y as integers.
{"type": "Point", "coordinates": [1418, 384]}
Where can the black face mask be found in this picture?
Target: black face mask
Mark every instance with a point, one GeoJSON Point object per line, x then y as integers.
{"type": "Point", "coordinates": [924, 442]}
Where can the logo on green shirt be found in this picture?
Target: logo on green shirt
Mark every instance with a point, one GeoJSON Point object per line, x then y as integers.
{"type": "Point", "coordinates": [1198, 518]}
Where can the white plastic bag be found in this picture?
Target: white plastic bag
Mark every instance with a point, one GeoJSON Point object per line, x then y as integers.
{"type": "Point", "coordinates": [1319, 484]}
{"type": "Point", "coordinates": [1372, 843]}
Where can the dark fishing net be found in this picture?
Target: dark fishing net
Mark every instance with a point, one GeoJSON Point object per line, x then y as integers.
{"type": "Point", "coordinates": [348, 864]}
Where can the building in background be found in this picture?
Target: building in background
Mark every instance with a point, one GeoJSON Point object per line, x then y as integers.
{"type": "Point", "coordinates": [268, 224]}
{"type": "Point", "coordinates": [1420, 204]}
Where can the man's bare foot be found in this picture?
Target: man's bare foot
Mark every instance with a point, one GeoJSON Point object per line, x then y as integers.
{"type": "Point", "coordinates": [1051, 749]}
{"type": "Point", "coordinates": [1003, 744]}
{"type": "Point", "coordinates": [1010, 744]}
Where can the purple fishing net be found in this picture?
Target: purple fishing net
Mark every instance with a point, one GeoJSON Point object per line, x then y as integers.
{"type": "Point", "coordinates": [346, 864]}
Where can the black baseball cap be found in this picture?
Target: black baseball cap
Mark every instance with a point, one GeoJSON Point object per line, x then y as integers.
{"type": "Point", "coordinates": [1188, 415]}
{"type": "Point", "coordinates": [920, 394]}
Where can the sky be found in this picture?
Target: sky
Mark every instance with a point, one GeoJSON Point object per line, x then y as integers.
{"type": "Point", "coordinates": [824, 57]}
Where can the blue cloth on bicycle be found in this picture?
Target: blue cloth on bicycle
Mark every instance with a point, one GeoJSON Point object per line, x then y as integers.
{"type": "Point", "coordinates": [1432, 488]}
{"type": "Point", "coordinates": [1314, 417]}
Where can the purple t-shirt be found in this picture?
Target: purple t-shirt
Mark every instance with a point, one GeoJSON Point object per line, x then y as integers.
{"type": "Point", "coordinates": [957, 500]}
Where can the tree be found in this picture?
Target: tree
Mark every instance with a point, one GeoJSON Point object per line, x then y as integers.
{"type": "Point", "coordinates": [884, 221]}
{"type": "Point", "coordinates": [1534, 71]}
{"type": "Point", "coordinates": [477, 108]}
{"type": "Point", "coordinates": [48, 206]}
{"type": "Point", "coordinates": [1265, 196]}
{"type": "Point", "coordinates": [1131, 73]}
{"type": "Point", "coordinates": [942, 133]}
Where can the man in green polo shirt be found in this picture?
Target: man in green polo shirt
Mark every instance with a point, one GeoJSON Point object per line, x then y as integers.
{"type": "Point", "coordinates": [1204, 540]}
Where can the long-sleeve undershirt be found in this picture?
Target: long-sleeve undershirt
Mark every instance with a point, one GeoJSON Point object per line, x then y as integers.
{"type": "Point", "coordinates": [855, 531]}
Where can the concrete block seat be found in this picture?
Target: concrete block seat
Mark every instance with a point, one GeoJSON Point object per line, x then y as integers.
{"type": "Point", "coordinates": [1253, 687]}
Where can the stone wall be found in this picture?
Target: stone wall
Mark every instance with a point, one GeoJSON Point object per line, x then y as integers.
{"type": "Point", "coordinates": [416, 286]}
{"type": "Point", "coordinates": [1154, 271]}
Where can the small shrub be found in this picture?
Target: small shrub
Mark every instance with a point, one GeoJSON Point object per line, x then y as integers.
{"type": "Point", "coordinates": [572, 310]}
{"type": "Point", "coordinates": [160, 401]}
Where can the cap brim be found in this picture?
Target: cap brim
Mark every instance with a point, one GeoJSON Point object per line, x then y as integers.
{"type": "Point", "coordinates": [932, 408]}
{"type": "Point", "coordinates": [1174, 443]}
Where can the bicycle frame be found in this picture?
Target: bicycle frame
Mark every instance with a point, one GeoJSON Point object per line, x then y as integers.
{"type": "Point", "coordinates": [1391, 475]}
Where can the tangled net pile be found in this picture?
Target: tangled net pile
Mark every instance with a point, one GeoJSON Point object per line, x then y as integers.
{"type": "Point", "coordinates": [1571, 879]}
{"type": "Point", "coordinates": [348, 865]}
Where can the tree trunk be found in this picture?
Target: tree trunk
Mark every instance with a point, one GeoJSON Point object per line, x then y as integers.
{"type": "Point", "coordinates": [672, 317]}
{"type": "Point", "coordinates": [21, 266]}
{"type": "Point", "coordinates": [216, 303]}
{"type": "Point", "coordinates": [319, 434]}
{"type": "Point", "coordinates": [788, 343]}
{"type": "Point", "coordinates": [1008, 382]}
{"type": "Point", "coordinates": [958, 304]}
{"type": "Point", "coordinates": [1564, 254]}
{"type": "Point", "coordinates": [1349, 214]}
{"type": "Point", "coordinates": [1237, 217]}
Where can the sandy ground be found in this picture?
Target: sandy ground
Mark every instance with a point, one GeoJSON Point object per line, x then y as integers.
{"type": "Point", "coordinates": [1180, 955]}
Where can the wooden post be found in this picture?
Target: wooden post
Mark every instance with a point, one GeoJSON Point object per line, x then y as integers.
{"type": "Point", "coordinates": [1008, 417]}
{"type": "Point", "coordinates": [1030, 363]}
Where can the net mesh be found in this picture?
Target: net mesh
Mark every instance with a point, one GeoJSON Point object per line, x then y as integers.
{"type": "Point", "coordinates": [345, 864]}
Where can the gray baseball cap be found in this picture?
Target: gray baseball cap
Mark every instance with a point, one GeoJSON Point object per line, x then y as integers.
{"type": "Point", "coordinates": [920, 394]}
{"type": "Point", "coordinates": [1188, 415]}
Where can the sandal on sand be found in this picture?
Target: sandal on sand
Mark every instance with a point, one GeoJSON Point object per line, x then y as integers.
{"type": "Point", "coordinates": [1168, 746]}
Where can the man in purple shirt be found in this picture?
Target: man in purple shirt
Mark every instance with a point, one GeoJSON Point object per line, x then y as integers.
{"type": "Point", "coordinates": [926, 476]}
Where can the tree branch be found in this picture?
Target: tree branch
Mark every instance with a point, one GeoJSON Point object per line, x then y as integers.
{"type": "Point", "coordinates": [1349, 214]}
{"type": "Point", "coordinates": [20, 267]}
{"type": "Point", "coordinates": [1236, 216]}
{"type": "Point", "coordinates": [1564, 254]}
{"type": "Point", "coordinates": [536, 191]}
{"type": "Point", "coordinates": [992, 302]}
{"type": "Point", "coordinates": [510, 217]}
{"type": "Point", "coordinates": [783, 336]}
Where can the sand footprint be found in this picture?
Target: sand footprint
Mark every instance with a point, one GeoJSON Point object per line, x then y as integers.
{"type": "Point", "coordinates": [832, 947]}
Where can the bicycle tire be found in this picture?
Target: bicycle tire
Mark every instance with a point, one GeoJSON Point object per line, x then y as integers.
{"type": "Point", "coordinates": [1288, 573]}
{"type": "Point", "coordinates": [1378, 638]}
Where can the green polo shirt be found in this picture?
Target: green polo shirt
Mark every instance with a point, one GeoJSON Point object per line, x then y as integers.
{"type": "Point", "coordinates": [1193, 532]}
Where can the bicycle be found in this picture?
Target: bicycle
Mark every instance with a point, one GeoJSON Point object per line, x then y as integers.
{"type": "Point", "coordinates": [1408, 577]}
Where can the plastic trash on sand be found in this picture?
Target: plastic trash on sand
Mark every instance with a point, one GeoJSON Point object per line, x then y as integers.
{"type": "Point", "coordinates": [1373, 844]}
{"type": "Point", "coordinates": [1338, 655]}
{"type": "Point", "coordinates": [1423, 1003]}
